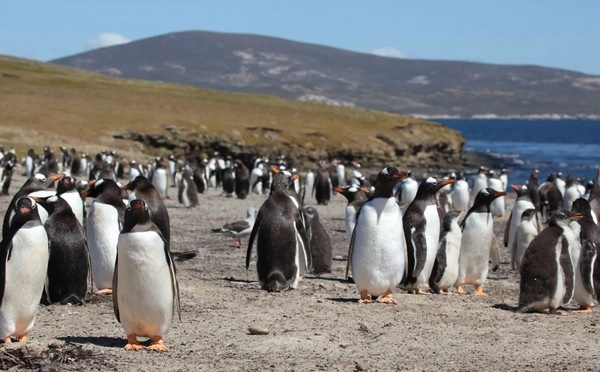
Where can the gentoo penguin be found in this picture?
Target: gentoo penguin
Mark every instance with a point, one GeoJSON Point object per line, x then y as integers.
{"type": "Point", "coordinates": [533, 185]}
{"type": "Point", "coordinates": [356, 198]}
{"type": "Point", "coordinates": [238, 229]}
{"type": "Point", "coordinates": [594, 198]}
{"type": "Point", "coordinates": [497, 207]}
{"type": "Point", "coordinates": [141, 188]}
{"type": "Point", "coordinates": [543, 278]}
{"type": "Point", "coordinates": [134, 170]}
{"type": "Point", "coordinates": [377, 247]}
{"type": "Point", "coordinates": [103, 226]}
{"type": "Point", "coordinates": [242, 180]}
{"type": "Point", "coordinates": [586, 289]}
{"type": "Point", "coordinates": [6, 177]}
{"type": "Point", "coordinates": [476, 242]}
{"type": "Point", "coordinates": [146, 291]}
{"type": "Point", "coordinates": [283, 250]}
{"type": "Point", "coordinates": [69, 262]}
{"type": "Point", "coordinates": [160, 178]}
{"type": "Point", "coordinates": [66, 188]}
{"type": "Point", "coordinates": [445, 269]}
{"type": "Point", "coordinates": [522, 203]}
{"type": "Point", "coordinates": [320, 243]}
{"type": "Point", "coordinates": [560, 184]}
{"type": "Point", "coordinates": [322, 186]}
{"type": "Point", "coordinates": [526, 231]}
{"type": "Point", "coordinates": [30, 163]}
{"type": "Point", "coordinates": [75, 163]}
{"type": "Point", "coordinates": [422, 231]}
{"type": "Point", "coordinates": [256, 174]}
{"type": "Point", "coordinates": [172, 168]}
{"type": "Point", "coordinates": [572, 193]}
{"type": "Point", "coordinates": [187, 193]}
{"type": "Point", "coordinates": [504, 178]}
{"type": "Point", "coordinates": [200, 179]}
{"type": "Point", "coordinates": [406, 190]}
{"type": "Point", "coordinates": [341, 173]}
{"type": "Point", "coordinates": [480, 181]}
{"type": "Point", "coordinates": [309, 183]}
{"type": "Point", "coordinates": [550, 197]}
{"type": "Point", "coordinates": [23, 266]}
{"type": "Point", "coordinates": [460, 195]}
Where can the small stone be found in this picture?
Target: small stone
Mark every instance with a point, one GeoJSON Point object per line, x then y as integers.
{"type": "Point", "coordinates": [258, 330]}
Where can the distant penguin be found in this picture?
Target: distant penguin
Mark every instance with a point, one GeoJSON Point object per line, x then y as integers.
{"type": "Point", "coordinates": [588, 264]}
{"type": "Point", "coordinates": [256, 185]}
{"type": "Point", "coordinates": [504, 179]}
{"type": "Point", "coordinates": [476, 244]}
{"type": "Point", "coordinates": [480, 181]}
{"type": "Point", "coordinates": [68, 265]}
{"type": "Point", "coordinates": [134, 170]}
{"type": "Point", "coordinates": [594, 198]}
{"type": "Point", "coordinates": [200, 179]}
{"type": "Point", "coordinates": [160, 178]}
{"type": "Point", "coordinates": [533, 185]}
{"type": "Point", "coordinates": [341, 174]}
{"type": "Point", "coordinates": [322, 187]}
{"type": "Point", "coordinates": [550, 197]}
{"type": "Point", "coordinates": [572, 193]}
{"type": "Point", "coordinates": [23, 267]}
{"type": "Point", "coordinates": [242, 180]}
{"type": "Point", "coordinates": [320, 243]}
{"type": "Point", "coordinates": [66, 188]}
{"type": "Point", "coordinates": [356, 198]}
{"type": "Point", "coordinates": [309, 183]}
{"type": "Point", "coordinates": [543, 278]}
{"type": "Point", "coordinates": [146, 292]}
{"type": "Point", "coordinates": [30, 163]}
{"type": "Point", "coordinates": [560, 184]}
{"type": "Point", "coordinates": [6, 177]}
{"type": "Point", "coordinates": [141, 188]}
{"type": "Point", "coordinates": [377, 246]}
{"type": "Point", "coordinates": [282, 248]}
{"type": "Point", "coordinates": [103, 226]}
{"type": "Point", "coordinates": [497, 207]}
{"type": "Point", "coordinates": [421, 224]}
{"type": "Point", "coordinates": [522, 203]}
{"type": "Point", "coordinates": [187, 193]}
{"type": "Point", "coordinates": [407, 189]}
{"type": "Point", "coordinates": [75, 165]}
{"type": "Point", "coordinates": [172, 168]}
{"type": "Point", "coordinates": [460, 195]}
{"type": "Point", "coordinates": [526, 232]}
{"type": "Point", "coordinates": [445, 269]}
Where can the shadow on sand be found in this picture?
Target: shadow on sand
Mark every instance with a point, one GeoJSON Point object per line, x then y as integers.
{"type": "Point", "coordinates": [98, 341]}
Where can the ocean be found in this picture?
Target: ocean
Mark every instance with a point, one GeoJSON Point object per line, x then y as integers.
{"type": "Point", "coordinates": [570, 146]}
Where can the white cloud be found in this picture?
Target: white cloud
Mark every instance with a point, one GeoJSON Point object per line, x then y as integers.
{"type": "Point", "coordinates": [388, 52]}
{"type": "Point", "coordinates": [107, 39]}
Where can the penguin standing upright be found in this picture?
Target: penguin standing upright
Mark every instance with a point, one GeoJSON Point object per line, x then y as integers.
{"type": "Point", "coordinates": [587, 275]}
{"type": "Point", "coordinates": [476, 243]}
{"type": "Point", "coordinates": [460, 195]}
{"type": "Point", "coordinates": [282, 248]}
{"type": "Point", "coordinates": [141, 188]}
{"type": "Point", "coordinates": [103, 226]}
{"type": "Point", "coordinates": [322, 186]}
{"type": "Point", "coordinates": [522, 203]}
{"type": "Point", "coordinates": [480, 181]}
{"type": "Point", "coordinates": [160, 178]}
{"type": "Point", "coordinates": [30, 163]}
{"type": "Point", "coordinates": [66, 188]}
{"type": "Point", "coordinates": [68, 264]}
{"type": "Point", "coordinates": [23, 266]}
{"type": "Point", "coordinates": [6, 177]}
{"type": "Point", "coordinates": [594, 198]}
{"type": "Point", "coordinates": [172, 168]}
{"type": "Point", "coordinates": [422, 231]}
{"type": "Point", "coordinates": [242, 180]}
{"type": "Point", "coordinates": [504, 178]}
{"type": "Point", "coordinates": [406, 190]}
{"type": "Point", "coordinates": [497, 207]}
{"type": "Point", "coordinates": [187, 193]}
{"type": "Point", "coordinates": [320, 243]}
{"type": "Point", "coordinates": [377, 246]}
{"type": "Point", "coordinates": [309, 183]}
{"type": "Point", "coordinates": [572, 193]}
{"type": "Point", "coordinates": [146, 292]}
{"type": "Point", "coordinates": [543, 278]}
{"type": "Point", "coordinates": [356, 198]}
{"type": "Point", "coordinates": [526, 232]}
{"type": "Point", "coordinates": [445, 269]}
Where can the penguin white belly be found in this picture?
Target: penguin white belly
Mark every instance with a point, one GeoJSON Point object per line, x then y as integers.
{"type": "Point", "coordinates": [460, 196]}
{"type": "Point", "coordinates": [160, 180]}
{"type": "Point", "coordinates": [103, 235]}
{"type": "Point", "coordinates": [571, 195]}
{"type": "Point", "coordinates": [350, 221]}
{"type": "Point", "coordinates": [24, 281]}
{"type": "Point", "coordinates": [432, 238]}
{"type": "Point", "coordinates": [145, 289]}
{"type": "Point", "coordinates": [76, 204]}
{"type": "Point", "coordinates": [497, 207]}
{"type": "Point", "coordinates": [515, 220]}
{"type": "Point", "coordinates": [475, 249]}
{"type": "Point", "coordinates": [378, 257]}
{"type": "Point", "coordinates": [133, 173]}
{"type": "Point", "coordinates": [452, 254]}
{"type": "Point", "coordinates": [184, 195]}
{"type": "Point", "coordinates": [29, 166]}
{"type": "Point", "coordinates": [525, 234]}
{"type": "Point", "coordinates": [409, 191]}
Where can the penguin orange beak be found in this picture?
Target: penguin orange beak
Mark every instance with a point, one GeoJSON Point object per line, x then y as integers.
{"type": "Point", "coordinates": [400, 175]}
{"type": "Point", "coordinates": [339, 190]}
{"type": "Point", "coordinates": [56, 177]}
{"type": "Point", "coordinates": [365, 189]}
{"type": "Point", "coordinates": [295, 177]}
{"type": "Point", "coordinates": [275, 170]}
{"type": "Point", "coordinates": [576, 216]}
{"type": "Point", "coordinates": [126, 187]}
{"type": "Point", "coordinates": [444, 183]}
{"type": "Point", "coordinates": [515, 187]}
{"type": "Point", "coordinates": [87, 192]}
{"type": "Point", "coordinates": [500, 193]}
{"type": "Point", "coordinates": [25, 210]}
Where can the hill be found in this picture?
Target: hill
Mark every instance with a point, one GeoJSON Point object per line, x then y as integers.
{"type": "Point", "coordinates": [42, 103]}
{"type": "Point", "coordinates": [300, 71]}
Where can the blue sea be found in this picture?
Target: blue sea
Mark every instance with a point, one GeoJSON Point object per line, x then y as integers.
{"type": "Point", "coordinates": [571, 146]}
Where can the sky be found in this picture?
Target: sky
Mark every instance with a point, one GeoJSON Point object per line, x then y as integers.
{"type": "Point", "coordinates": [552, 33]}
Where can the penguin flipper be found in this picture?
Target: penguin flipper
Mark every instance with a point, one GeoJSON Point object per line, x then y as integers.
{"type": "Point", "coordinates": [350, 251]}
{"type": "Point", "coordinates": [495, 253]}
{"type": "Point", "coordinates": [252, 236]}
{"type": "Point", "coordinates": [507, 229]}
{"type": "Point", "coordinates": [440, 263]}
{"type": "Point", "coordinates": [174, 283]}
{"type": "Point", "coordinates": [567, 265]}
{"type": "Point", "coordinates": [5, 247]}
{"type": "Point", "coordinates": [587, 258]}
{"type": "Point", "coordinates": [303, 229]}
{"type": "Point", "coordinates": [419, 242]}
{"type": "Point", "coordinates": [115, 283]}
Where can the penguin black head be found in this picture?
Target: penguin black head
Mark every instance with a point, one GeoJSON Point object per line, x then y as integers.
{"type": "Point", "coordinates": [282, 180]}
{"type": "Point", "coordinates": [65, 184]}
{"type": "Point", "coordinates": [387, 178]}
{"type": "Point", "coordinates": [138, 183]}
{"type": "Point", "coordinates": [450, 218]}
{"type": "Point", "coordinates": [528, 214]}
{"type": "Point", "coordinates": [311, 213]}
{"type": "Point", "coordinates": [561, 218]}
{"type": "Point", "coordinates": [582, 206]}
{"type": "Point", "coordinates": [352, 193]}
{"type": "Point", "coordinates": [486, 196]}
{"type": "Point", "coordinates": [98, 187]}
{"type": "Point", "coordinates": [520, 190]}
{"type": "Point", "coordinates": [25, 210]}
{"type": "Point", "coordinates": [430, 186]}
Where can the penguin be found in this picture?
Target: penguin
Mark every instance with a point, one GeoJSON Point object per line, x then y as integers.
{"type": "Point", "coordinates": [356, 197]}
{"type": "Point", "coordinates": [587, 276]}
{"type": "Point", "coordinates": [477, 242]}
{"type": "Point", "coordinates": [134, 170]}
{"type": "Point", "coordinates": [572, 193]}
{"type": "Point", "coordinates": [560, 184]}
{"type": "Point", "coordinates": [103, 226]}
{"type": "Point", "coordinates": [526, 232]}
{"type": "Point", "coordinates": [533, 185]}
{"type": "Point", "coordinates": [30, 163]}
{"type": "Point", "coordinates": [406, 190]}
{"type": "Point", "coordinates": [498, 207]}
{"type": "Point", "coordinates": [377, 246]}
{"type": "Point", "coordinates": [421, 224]}
{"type": "Point", "coordinates": [242, 180]}
{"type": "Point", "coordinates": [341, 173]}
{"type": "Point", "coordinates": [594, 198]}
{"type": "Point", "coordinates": [187, 193]}
{"type": "Point", "coordinates": [256, 174]}
{"type": "Point", "coordinates": [238, 229]}
{"type": "Point", "coordinates": [320, 243]}
{"type": "Point", "coordinates": [543, 278]}
{"type": "Point", "coordinates": [24, 257]}
{"type": "Point", "coordinates": [309, 183]}
{"type": "Point", "coordinates": [283, 243]}
{"type": "Point", "coordinates": [550, 196]}
{"type": "Point", "coordinates": [141, 188]}
{"type": "Point", "coordinates": [200, 179]}
{"type": "Point", "coordinates": [160, 179]}
{"type": "Point", "coordinates": [522, 203]}
{"type": "Point", "coordinates": [146, 291]}
{"type": "Point", "coordinates": [322, 187]}
{"type": "Point", "coordinates": [66, 188]}
{"type": "Point", "coordinates": [445, 269]}
{"type": "Point", "coordinates": [504, 178]}
{"type": "Point", "coordinates": [68, 264]}
{"type": "Point", "coordinates": [6, 177]}
{"type": "Point", "coordinates": [480, 181]}
{"type": "Point", "coordinates": [172, 168]}
{"type": "Point", "coordinates": [75, 165]}
{"type": "Point", "coordinates": [460, 194]}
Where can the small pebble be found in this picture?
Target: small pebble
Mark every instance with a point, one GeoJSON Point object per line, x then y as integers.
{"type": "Point", "coordinates": [258, 330]}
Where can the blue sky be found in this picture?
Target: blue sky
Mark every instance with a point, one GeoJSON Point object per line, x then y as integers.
{"type": "Point", "coordinates": [564, 34]}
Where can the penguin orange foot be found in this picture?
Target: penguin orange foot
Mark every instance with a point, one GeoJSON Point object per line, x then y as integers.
{"type": "Point", "coordinates": [388, 298]}
{"type": "Point", "coordinates": [584, 310]}
{"type": "Point", "coordinates": [158, 344]}
{"type": "Point", "coordinates": [460, 290]}
{"type": "Point", "coordinates": [421, 291]}
{"type": "Point", "coordinates": [8, 340]}
{"type": "Point", "coordinates": [365, 298]}
{"type": "Point", "coordinates": [479, 290]}
{"type": "Point", "coordinates": [133, 343]}
{"type": "Point", "coordinates": [23, 338]}
{"type": "Point", "coordinates": [104, 292]}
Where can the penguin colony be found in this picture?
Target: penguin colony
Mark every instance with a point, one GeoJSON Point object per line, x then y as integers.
{"type": "Point", "coordinates": [426, 236]}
